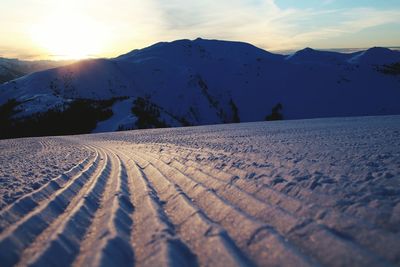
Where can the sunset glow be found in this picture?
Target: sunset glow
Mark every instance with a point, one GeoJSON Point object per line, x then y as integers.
{"type": "Point", "coordinates": [54, 29]}
{"type": "Point", "coordinates": [65, 44]}
{"type": "Point", "coordinates": [69, 36]}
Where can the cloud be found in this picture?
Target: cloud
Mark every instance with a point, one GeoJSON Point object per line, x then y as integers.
{"type": "Point", "coordinates": [350, 22]}
{"type": "Point", "coordinates": [263, 22]}
{"type": "Point", "coordinates": [178, 14]}
{"type": "Point", "coordinates": [246, 20]}
{"type": "Point", "coordinates": [130, 24]}
{"type": "Point", "coordinates": [328, 2]}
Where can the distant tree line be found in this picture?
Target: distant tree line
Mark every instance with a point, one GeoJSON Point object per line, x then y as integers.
{"type": "Point", "coordinates": [147, 114]}
{"type": "Point", "coordinates": [82, 115]}
{"type": "Point", "coordinates": [78, 117]}
{"type": "Point", "coordinates": [392, 69]}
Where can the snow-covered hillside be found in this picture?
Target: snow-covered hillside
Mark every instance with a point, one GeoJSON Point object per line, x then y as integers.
{"type": "Point", "coordinates": [321, 192]}
{"type": "Point", "coordinates": [209, 81]}
{"type": "Point", "coordinates": [11, 69]}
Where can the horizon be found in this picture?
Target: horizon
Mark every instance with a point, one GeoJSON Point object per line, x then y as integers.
{"type": "Point", "coordinates": [281, 52]}
{"type": "Point", "coordinates": [57, 30]}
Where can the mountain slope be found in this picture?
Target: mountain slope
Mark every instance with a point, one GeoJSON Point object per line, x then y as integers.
{"type": "Point", "coordinates": [11, 69]}
{"type": "Point", "coordinates": [208, 81]}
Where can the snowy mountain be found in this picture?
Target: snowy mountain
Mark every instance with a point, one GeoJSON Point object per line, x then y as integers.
{"type": "Point", "coordinates": [11, 69]}
{"type": "Point", "coordinates": [208, 81]}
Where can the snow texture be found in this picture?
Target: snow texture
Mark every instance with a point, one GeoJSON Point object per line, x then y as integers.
{"type": "Point", "coordinates": [322, 192]}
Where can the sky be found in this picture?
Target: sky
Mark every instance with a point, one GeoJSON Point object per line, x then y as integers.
{"type": "Point", "coordinates": [72, 29]}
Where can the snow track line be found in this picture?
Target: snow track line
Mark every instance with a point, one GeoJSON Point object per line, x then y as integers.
{"type": "Point", "coordinates": [373, 239]}
{"type": "Point", "coordinates": [118, 249]}
{"type": "Point", "coordinates": [206, 153]}
{"type": "Point", "coordinates": [17, 210]}
{"type": "Point", "coordinates": [154, 238]}
{"type": "Point", "coordinates": [289, 226]}
{"type": "Point", "coordinates": [59, 244]}
{"type": "Point", "coordinates": [369, 236]}
{"type": "Point", "coordinates": [292, 227]}
{"type": "Point", "coordinates": [194, 227]}
{"type": "Point", "coordinates": [302, 194]}
{"type": "Point", "coordinates": [20, 235]}
{"type": "Point", "coordinates": [317, 198]}
{"type": "Point", "coordinates": [260, 242]}
{"type": "Point", "coordinates": [107, 239]}
{"type": "Point", "coordinates": [38, 229]}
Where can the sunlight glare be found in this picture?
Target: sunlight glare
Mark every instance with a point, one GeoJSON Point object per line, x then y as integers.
{"type": "Point", "coordinates": [69, 36]}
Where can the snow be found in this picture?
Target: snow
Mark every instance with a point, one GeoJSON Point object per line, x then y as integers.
{"type": "Point", "coordinates": [321, 192]}
{"type": "Point", "coordinates": [122, 116]}
{"type": "Point", "coordinates": [203, 76]}
{"type": "Point", "coordinates": [13, 68]}
{"type": "Point", "coordinates": [309, 55]}
{"type": "Point", "coordinates": [376, 56]}
{"type": "Point", "coordinates": [28, 163]}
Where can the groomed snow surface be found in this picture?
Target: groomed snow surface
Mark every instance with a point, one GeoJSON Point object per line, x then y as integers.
{"type": "Point", "coordinates": [321, 192]}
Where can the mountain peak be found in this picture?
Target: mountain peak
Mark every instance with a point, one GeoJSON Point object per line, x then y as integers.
{"type": "Point", "coordinates": [309, 55]}
{"type": "Point", "coordinates": [376, 56]}
{"type": "Point", "coordinates": [307, 50]}
{"type": "Point", "coordinates": [378, 49]}
{"type": "Point", "coordinates": [198, 48]}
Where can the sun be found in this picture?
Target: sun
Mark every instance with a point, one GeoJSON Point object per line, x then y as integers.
{"type": "Point", "coordinates": [68, 36]}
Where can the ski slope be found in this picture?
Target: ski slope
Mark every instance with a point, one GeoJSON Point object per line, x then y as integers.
{"type": "Point", "coordinates": [322, 192]}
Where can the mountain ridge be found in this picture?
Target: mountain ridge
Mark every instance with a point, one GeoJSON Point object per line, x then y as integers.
{"type": "Point", "coordinates": [203, 81]}
{"type": "Point", "coordinates": [13, 68]}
